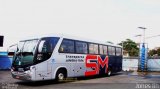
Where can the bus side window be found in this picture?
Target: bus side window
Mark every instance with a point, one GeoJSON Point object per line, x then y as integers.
{"type": "Point", "coordinates": [93, 48]}
{"type": "Point", "coordinates": [67, 46]}
{"type": "Point", "coordinates": [105, 50]}
{"type": "Point", "coordinates": [111, 50]}
{"type": "Point", "coordinates": [46, 47]}
{"type": "Point", "coordinates": [118, 51]}
{"type": "Point", "coordinates": [81, 47]}
{"type": "Point", "coordinates": [101, 50]}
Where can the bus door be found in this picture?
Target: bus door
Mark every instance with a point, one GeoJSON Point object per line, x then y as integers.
{"type": "Point", "coordinates": [44, 52]}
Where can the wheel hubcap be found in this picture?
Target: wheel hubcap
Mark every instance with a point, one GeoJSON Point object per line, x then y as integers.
{"type": "Point", "coordinates": [109, 72]}
{"type": "Point", "coordinates": [61, 76]}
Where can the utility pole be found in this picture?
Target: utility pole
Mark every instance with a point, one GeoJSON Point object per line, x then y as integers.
{"type": "Point", "coordinates": [143, 56]}
{"type": "Point", "coordinates": [143, 33]}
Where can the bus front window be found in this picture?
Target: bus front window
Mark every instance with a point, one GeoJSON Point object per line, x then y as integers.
{"type": "Point", "coordinates": [30, 52]}
{"type": "Point", "coordinates": [25, 53]}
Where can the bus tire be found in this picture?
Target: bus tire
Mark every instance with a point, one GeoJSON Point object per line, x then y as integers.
{"type": "Point", "coordinates": [61, 75]}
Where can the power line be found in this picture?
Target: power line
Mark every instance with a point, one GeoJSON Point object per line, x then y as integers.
{"type": "Point", "coordinates": [152, 36]}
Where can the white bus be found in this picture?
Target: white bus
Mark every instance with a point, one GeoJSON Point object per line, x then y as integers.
{"type": "Point", "coordinates": [58, 57]}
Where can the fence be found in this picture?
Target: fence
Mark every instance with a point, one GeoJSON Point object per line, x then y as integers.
{"type": "Point", "coordinates": [131, 64]}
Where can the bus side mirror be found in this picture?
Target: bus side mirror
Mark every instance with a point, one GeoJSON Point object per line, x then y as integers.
{"type": "Point", "coordinates": [12, 49]}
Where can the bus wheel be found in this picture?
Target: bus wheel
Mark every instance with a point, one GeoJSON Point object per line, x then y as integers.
{"type": "Point", "coordinates": [109, 73]}
{"type": "Point", "coordinates": [61, 75]}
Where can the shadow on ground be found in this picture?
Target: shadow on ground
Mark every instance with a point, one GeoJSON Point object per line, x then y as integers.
{"type": "Point", "coordinates": [69, 80]}
{"type": "Point", "coordinates": [145, 75]}
{"type": "Point", "coordinates": [38, 83]}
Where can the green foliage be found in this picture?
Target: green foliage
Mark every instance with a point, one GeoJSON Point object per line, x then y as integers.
{"type": "Point", "coordinates": [158, 51]}
{"type": "Point", "coordinates": [154, 52]}
{"type": "Point", "coordinates": [130, 46]}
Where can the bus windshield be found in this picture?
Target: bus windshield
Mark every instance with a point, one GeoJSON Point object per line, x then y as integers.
{"type": "Point", "coordinates": [25, 52]}
{"type": "Point", "coordinates": [34, 51]}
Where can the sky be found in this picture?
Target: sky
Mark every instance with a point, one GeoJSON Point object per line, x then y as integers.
{"type": "Point", "coordinates": [103, 20]}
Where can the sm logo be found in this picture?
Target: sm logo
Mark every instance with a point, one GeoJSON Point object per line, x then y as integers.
{"type": "Point", "coordinates": [98, 64]}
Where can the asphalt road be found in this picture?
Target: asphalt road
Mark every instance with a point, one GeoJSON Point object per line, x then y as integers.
{"type": "Point", "coordinates": [123, 80]}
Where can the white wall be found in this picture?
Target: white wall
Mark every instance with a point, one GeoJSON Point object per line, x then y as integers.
{"type": "Point", "coordinates": [132, 64]}
{"type": "Point", "coordinates": [129, 64]}
{"type": "Point", "coordinates": [153, 64]}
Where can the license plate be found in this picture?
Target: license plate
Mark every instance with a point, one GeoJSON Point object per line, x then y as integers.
{"type": "Point", "coordinates": [17, 77]}
{"type": "Point", "coordinates": [20, 69]}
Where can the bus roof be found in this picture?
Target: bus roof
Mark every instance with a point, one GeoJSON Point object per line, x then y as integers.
{"type": "Point", "coordinates": [70, 37]}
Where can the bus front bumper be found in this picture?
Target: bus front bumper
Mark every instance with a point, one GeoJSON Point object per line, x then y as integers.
{"type": "Point", "coordinates": [21, 75]}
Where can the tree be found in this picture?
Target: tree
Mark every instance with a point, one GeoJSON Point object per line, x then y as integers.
{"type": "Point", "coordinates": [130, 46]}
{"type": "Point", "coordinates": [158, 51]}
{"type": "Point", "coordinates": [152, 52]}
